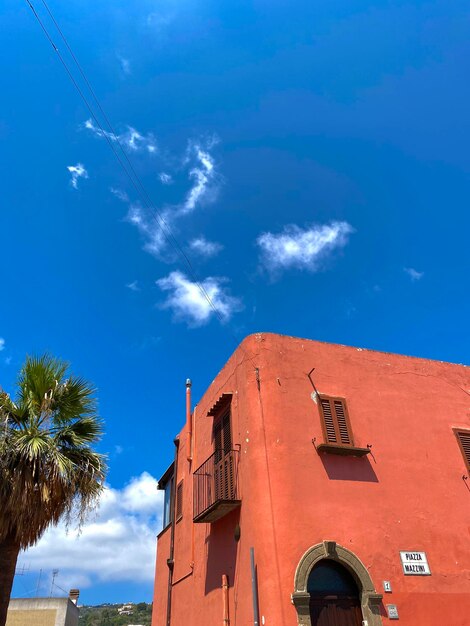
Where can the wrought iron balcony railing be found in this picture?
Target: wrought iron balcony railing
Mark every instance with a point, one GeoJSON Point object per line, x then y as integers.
{"type": "Point", "coordinates": [216, 491]}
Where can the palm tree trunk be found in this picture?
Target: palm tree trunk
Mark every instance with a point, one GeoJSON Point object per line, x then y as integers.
{"type": "Point", "coordinates": [9, 550]}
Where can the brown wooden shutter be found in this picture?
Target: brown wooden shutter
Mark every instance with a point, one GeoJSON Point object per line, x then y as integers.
{"type": "Point", "coordinates": [336, 427]}
{"type": "Point", "coordinates": [227, 435]}
{"type": "Point", "coordinates": [179, 501]}
{"type": "Point", "coordinates": [463, 437]}
{"type": "Point", "coordinates": [222, 436]}
{"type": "Point", "coordinates": [328, 421]}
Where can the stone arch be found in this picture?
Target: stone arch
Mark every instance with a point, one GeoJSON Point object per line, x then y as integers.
{"type": "Point", "coordinates": [370, 599]}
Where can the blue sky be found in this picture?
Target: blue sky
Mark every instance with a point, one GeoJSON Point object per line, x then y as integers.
{"type": "Point", "coordinates": [311, 158]}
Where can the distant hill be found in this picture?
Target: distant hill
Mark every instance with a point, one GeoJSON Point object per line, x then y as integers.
{"type": "Point", "coordinates": [107, 615]}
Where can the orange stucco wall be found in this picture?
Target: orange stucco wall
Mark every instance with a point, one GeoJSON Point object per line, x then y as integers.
{"type": "Point", "coordinates": [407, 495]}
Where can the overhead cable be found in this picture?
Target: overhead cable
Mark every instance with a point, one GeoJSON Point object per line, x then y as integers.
{"type": "Point", "coordinates": [112, 138]}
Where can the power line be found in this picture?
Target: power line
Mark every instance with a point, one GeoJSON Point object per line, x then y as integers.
{"type": "Point", "coordinates": [131, 173]}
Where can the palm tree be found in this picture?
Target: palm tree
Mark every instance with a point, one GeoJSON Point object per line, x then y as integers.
{"type": "Point", "coordinates": [48, 469]}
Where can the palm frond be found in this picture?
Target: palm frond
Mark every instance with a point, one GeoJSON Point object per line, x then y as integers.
{"type": "Point", "coordinates": [47, 468]}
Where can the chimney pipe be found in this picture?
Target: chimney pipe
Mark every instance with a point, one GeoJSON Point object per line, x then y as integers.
{"type": "Point", "coordinates": [189, 422]}
{"type": "Point", "coordinates": [73, 595]}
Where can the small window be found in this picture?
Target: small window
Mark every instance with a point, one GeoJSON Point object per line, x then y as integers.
{"type": "Point", "coordinates": [168, 488]}
{"type": "Point", "coordinates": [179, 501]}
{"type": "Point", "coordinates": [336, 426]}
{"type": "Point", "coordinates": [222, 436]}
{"type": "Point", "coordinates": [463, 437]}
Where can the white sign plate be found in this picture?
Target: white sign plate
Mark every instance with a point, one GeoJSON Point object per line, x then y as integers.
{"type": "Point", "coordinates": [414, 563]}
{"type": "Point", "coordinates": [392, 611]}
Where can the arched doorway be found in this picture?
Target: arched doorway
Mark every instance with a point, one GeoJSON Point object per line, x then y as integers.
{"type": "Point", "coordinates": [369, 600]}
{"type": "Point", "coordinates": [334, 596]}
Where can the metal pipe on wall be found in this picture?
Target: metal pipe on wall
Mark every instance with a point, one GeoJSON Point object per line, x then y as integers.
{"type": "Point", "coordinates": [170, 560]}
{"type": "Point", "coordinates": [189, 422]}
{"type": "Point", "coordinates": [226, 619]}
{"type": "Point", "coordinates": [254, 588]}
{"type": "Point", "coordinates": [193, 457]}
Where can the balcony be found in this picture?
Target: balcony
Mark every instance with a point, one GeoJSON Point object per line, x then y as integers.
{"type": "Point", "coordinates": [216, 490]}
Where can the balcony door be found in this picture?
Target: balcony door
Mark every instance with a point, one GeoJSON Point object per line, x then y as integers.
{"type": "Point", "coordinates": [224, 484]}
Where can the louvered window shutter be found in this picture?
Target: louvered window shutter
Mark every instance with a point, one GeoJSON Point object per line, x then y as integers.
{"type": "Point", "coordinates": [179, 501]}
{"type": "Point", "coordinates": [227, 435]}
{"type": "Point", "coordinates": [335, 421]}
{"type": "Point", "coordinates": [222, 436]}
{"type": "Point", "coordinates": [218, 437]}
{"type": "Point", "coordinates": [463, 437]}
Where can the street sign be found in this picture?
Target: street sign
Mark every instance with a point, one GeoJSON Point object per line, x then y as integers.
{"type": "Point", "coordinates": [414, 563]}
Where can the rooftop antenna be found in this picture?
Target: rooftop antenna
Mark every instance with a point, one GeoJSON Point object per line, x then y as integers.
{"type": "Point", "coordinates": [20, 571]}
{"type": "Point", "coordinates": [39, 582]}
{"type": "Point", "coordinates": [55, 573]}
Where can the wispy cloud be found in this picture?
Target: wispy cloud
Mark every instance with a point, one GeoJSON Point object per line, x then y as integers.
{"type": "Point", "coordinates": [148, 226]}
{"type": "Point", "coordinates": [77, 171]}
{"type": "Point", "coordinates": [189, 304]}
{"type": "Point", "coordinates": [133, 286]}
{"type": "Point", "coordinates": [2, 344]}
{"type": "Point", "coordinates": [119, 193]}
{"type": "Point", "coordinates": [201, 171]}
{"type": "Point", "coordinates": [125, 524]}
{"type": "Point", "coordinates": [132, 139]}
{"type": "Point", "coordinates": [203, 175]}
{"type": "Point", "coordinates": [413, 274]}
{"type": "Point", "coordinates": [159, 20]}
{"type": "Point", "coordinates": [205, 248]}
{"type": "Point", "coordinates": [165, 179]}
{"type": "Point", "coordinates": [304, 249]}
{"type": "Point", "coordinates": [125, 65]}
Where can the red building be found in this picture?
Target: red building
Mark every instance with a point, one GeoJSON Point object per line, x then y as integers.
{"type": "Point", "coordinates": [319, 484]}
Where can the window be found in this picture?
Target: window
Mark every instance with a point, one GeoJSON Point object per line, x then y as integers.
{"type": "Point", "coordinates": [224, 468]}
{"type": "Point", "coordinates": [222, 436]}
{"type": "Point", "coordinates": [167, 502]}
{"type": "Point", "coordinates": [463, 437]}
{"type": "Point", "coordinates": [335, 423]}
{"type": "Point", "coordinates": [179, 501]}
{"type": "Point", "coordinates": [166, 485]}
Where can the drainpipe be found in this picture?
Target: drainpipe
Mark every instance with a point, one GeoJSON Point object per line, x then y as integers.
{"type": "Point", "coordinates": [189, 422]}
{"type": "Point", "coordinates": [254, 588]}
{"type": "Point", "coordinates": [226, 620]}
{"type": "Point", "coordinates": [170, 561]}
{"type": "Point", "coordinates": [194, 459]}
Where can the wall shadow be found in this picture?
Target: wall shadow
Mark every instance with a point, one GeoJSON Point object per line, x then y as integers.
{"type": "Point", "coordinates": [348, 468]}
{"type": "Point", "coordinates": [221, 551]}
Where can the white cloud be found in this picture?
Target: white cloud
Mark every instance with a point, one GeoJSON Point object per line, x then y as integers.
{"type": "Point", "coordinates": [165, 178]}
{"type": "Point", "coordinates": [413, 274]}
{"type": "Point", "coordinates": [302, 248]}
{"type": "Point", "coordinates": [149, 228]}
{"type": "Point", "coordinates": [116, 544]}
{"type": "Point", "coordinates": [133, 286]}
{"type": "Point", "coordinates": [205, 248]}
{"type": "Point", "coordinates": [125, 65]}
{"type": "Point", "coordinates": [203, 175]}
{"type": "Point", "coordinates": [131, 138]}
{"type": "Point", "coordinates": [119, 193]}
{"type": "Point", "coordinates": [157, 226]}
{"type": "Point", "coordinates": [188, 303]}
{"type": "Point", "coordinates": [77, 171]}
{"type": "Point", "coordinates": [2, 344]}
{"type": "Point", "coordinates": [159, 20]}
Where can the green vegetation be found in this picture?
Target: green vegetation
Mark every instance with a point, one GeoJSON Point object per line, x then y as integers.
{"type": "Point", "coordinates": [107, 615]}
{"type": "Point", "coordinates": [48, 468]}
